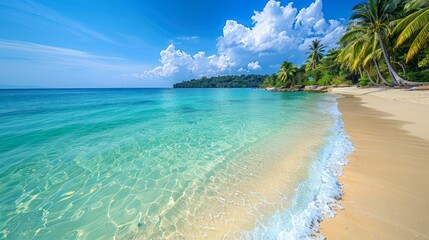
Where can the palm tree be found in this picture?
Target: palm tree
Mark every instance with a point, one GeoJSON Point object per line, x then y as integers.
{"type": "Point", "coordinates": [375, 17]}
{"type": "Point", "coordinates": [370, 53]}
{"type": "Point", "coordinates": [415, 26]}
{"type": "Point", "coordinates": [354, 51]}
{"type": "Point", "coordinates": [360, 50]}
{"type": "Point", "coordinates": [270, 81]}
{"type": "Point", "coordinates": [286, 72]}
{"type": "Point", "coordinates": [315, 54]}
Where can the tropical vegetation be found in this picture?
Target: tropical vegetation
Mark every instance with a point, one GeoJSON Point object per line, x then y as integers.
{"type": "Point", "coordinates": [386, 43]}
{"type": "Point", "coordinates": [229, 81]}
{"type": "Point", "coordinates": [315, 54]}
{"type": "Point", "coordinates": [319, 69]}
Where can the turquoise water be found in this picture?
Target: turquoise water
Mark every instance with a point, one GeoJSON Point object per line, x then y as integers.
{"type": "Point", "coordinates": [161, 163]}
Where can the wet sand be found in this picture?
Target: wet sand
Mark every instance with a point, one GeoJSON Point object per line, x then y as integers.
{"type": "Point", "coordinates": [242, 205]}
{"type": "Point", "coordinates": [386, 183]}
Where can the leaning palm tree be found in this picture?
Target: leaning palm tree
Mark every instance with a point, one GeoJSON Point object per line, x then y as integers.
{"type": "Point", "coordinates": [375, 17]}
{"type": "Point", "coordinates": [360, 50]}
{"type": "Point", "coordinates": [315, 54]}
{"type": "Point", "coordinates": [354, 54]}
{"type": "Point", "coordinates": [286, 72]}
{"type": "Point", "coordinates": [414, 26]}
{"type": "Point", "coordinates": [359, 56]}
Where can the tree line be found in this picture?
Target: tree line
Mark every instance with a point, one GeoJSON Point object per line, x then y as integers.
{"type": "Point", "coordinates": [228, 81]}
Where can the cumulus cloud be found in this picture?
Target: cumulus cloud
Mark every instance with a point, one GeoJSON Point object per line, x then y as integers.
{"type": "Point", "coordinates": [252, 66]}
{"type": "Point", "coordinates": [180, 63]}
{"type": "Point", "coordinates": [280, 30]}
{"type": "Point", "coordinates": [241, 69]}
{"type": "Point", "coordinates": [311, 18]}
{"type": "Point", "coordinates": [271, 31]}
{"type": "Point", "coordinates": [277, 33]}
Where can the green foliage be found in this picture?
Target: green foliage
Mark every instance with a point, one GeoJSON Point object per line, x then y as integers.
{"type": "Point", "coordinates": [364, 82]}
{"type": "Point", "coordinates": [313, 76]}
{"type": "Point", "coordinates": [286, 73]}
{"type": "Point", "coordinates": [391, 32]}
{"type": "Point", "coordinates": [337, 80]}
{"type": "Point", "coordinates": [419, 76]}
{"type": "Point", "coordinates": [325, 80]}
{"type": "Point", "coordinates": [414, 27]}
{"type": "Point", "coordinates": [424, 63]}
{"type": "Point", "coordinates": [229, 81]}
{"type": "Point", "coordinates": [269, 81]}
{"type": "Point", "coordinates": [315, 54]}
{"type": "Point", "coordinates": [328, 70]}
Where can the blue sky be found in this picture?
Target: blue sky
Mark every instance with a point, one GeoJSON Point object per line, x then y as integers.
{"type": "Point", "coordinates": [80, 43]}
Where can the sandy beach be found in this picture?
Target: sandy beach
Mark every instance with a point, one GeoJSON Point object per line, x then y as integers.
{"type": "Point", "coordinates": [385, 184]}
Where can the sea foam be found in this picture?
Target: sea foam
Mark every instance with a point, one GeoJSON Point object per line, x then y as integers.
{"type": "Point", "coordinates": [316, 197]}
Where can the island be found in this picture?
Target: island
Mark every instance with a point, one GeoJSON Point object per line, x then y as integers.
{"type": "Point", "coordinates": [228, 81]}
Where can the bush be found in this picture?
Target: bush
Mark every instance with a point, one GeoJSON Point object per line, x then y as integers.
{"type": "Point", "coordinates": [364, 82]}
{"type": "Point", "coordinates": [420, 76]}
{"type": "Point", "coordinates": [338, 80]}
{"type": "Point", "coordinates": [325, 80]}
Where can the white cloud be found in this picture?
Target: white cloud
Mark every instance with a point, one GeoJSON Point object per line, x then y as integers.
{"type": "Point", "coordinates": [171, 60]}
{"type": "Point", "coordinates": [240, 70]}
{"type": "Point", "coordinates": [252, 66]}
{"type": "Point", "coordinates": [308, 17]}
{"type": "Point", "coordinates": [188, 38]}
{"type": "Point", "coordinates": [319, 25]}
{"type": "Point", "coordinates": [280, 30]}
{"type": "Point", "coordinates": [277, 33]}
{"type": "Point", "coordinates": [179, 63]}
{"type": "Point", "coordinates": [271, 31]}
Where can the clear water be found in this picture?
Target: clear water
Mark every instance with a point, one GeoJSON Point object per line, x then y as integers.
{"type": "Point", "coordinates": [163, 163]}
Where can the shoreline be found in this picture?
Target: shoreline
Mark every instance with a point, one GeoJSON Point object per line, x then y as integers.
{"type": "Point", "coordinates": [385, 182]}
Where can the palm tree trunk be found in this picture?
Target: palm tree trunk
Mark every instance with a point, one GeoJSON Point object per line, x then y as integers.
{"type": "Point", "coordinates": [360, 72]}
{"type": "Point", "coordinates": [370, 79]}
{"type": "Point", "coordinates": [403, 68]}
{"type": "Point", "coordinates": [381, 75]}
{"type": "Point", "coordinates": [393, 74]}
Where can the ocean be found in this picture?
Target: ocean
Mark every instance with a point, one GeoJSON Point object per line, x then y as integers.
{"type": "Point", "coordinates": [168, 163]}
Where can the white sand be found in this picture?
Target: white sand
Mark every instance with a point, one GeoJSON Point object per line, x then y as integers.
{"type": "Point", "coordinates": [386, 183]}
{"type": "Point", "coordinates": [412, 107]}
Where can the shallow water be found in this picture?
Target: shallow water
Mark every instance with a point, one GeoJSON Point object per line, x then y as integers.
{"type": "Point", "coordinates": [157, 163]}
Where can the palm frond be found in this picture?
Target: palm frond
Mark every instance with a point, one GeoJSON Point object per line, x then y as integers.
{"type": "Point", "coordinates": [411, 24]}
{"type": "Point", "coordinates": [419, 43]}
{"type": "Point", "coordinates": [416, 4]}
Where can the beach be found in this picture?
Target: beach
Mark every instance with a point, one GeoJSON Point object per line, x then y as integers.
{"type": "Point", "coordinates": [385, 183]}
